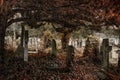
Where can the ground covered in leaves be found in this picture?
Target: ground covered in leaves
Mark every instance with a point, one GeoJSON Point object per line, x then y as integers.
{"type": "Point", "coordinates": [48, 68]}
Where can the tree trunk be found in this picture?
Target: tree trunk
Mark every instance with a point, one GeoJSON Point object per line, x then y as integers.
{"type": "Point", "coordinates": [2, 37]}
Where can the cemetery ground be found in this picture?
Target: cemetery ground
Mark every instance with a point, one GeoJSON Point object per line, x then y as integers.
{"type": "Point", "coordinates": [42, 66]}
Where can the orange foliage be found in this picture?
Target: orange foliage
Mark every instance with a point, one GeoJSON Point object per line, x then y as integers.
{"type": "Point", "coordinates": [1, 2]}
{"type": "Point", "coordinates": [6, 5]}
{"type": "Point", "coordinates": [14, 2]}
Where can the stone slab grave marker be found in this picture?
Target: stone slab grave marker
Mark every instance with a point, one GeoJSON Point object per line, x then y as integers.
{"type": "Point", "coordinates": [70, 56]}
{"type": "Point", "coordinates": [26, 46]}
{"type": "Point", "coordinates": [87, 46]}
{"type": "Point", "coordinates": [118, 51]}
{"type": "Point", "coordinates": [20, 50]}
{"type": "Point", "coordinates": [54, 49]}
{"type": "Point", "coordinates": [80, 43]}
{"type": "Point", "coordinates": [105, 49]}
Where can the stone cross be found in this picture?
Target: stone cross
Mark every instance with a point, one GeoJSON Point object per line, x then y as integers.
{"type": "Point", "coordinates": [105, 49]}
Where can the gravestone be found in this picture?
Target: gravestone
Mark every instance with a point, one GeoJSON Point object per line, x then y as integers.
{"type": "Point", "coordinates": [113, 56]}
{"type": "Point", "coordinates": [26, 46]}
{"type": "Point", "coordinates": [36, 44]}
{"type": "Point", "coordinates": [14, 37]}
{"type": "Point", "coordinates": [70, 56]}
{"type": "Point", "coordinates": [54, 49]}
{"type": "Point", "coordinates": [39, 40]}
{"type": "Point", "coordinates": [83, 42]}
{"type": "Point", "coordinates": [30, 42]}
{"type": "Point", "coordinates": [75, 43]}
{"type": "Point", "coordinates": [105, 49]}
{"type": "Point", "coordinates": [118, 52]}
{"type": "Point", "coordinates": [48, 43]}
{"type": "Point", "coordinates": [70, 42]}
{"type": "Point", "coordinates": [87, 42]}
{"type": "Point", "coordinates": [80, 43]}
{"type": "Point", "coordinates": [19, 51]}
{"type": "Point", "coordinates": [87, 46]}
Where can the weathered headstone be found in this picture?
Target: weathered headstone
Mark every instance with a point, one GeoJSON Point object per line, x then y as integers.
{"type": "Point", "coordinates": [80, 43]}
{"type": "Point", "coordinates": [83, 42]}
{"type": "Point", "coordinates": [54, 49]}
{"type": "Point", "coordinates": [87, 46]}
{"type": "Point", "coordinates": [19, 51]}
{"type": "Point", "coordinates": [36, 44]}
{"type": "Point", "coordinates": [39, 40]}
{"type": "Point", "coordinates": [30, 42]}
{"type": "Point", "coordinates": [113, 56]}
{"type": "Point", "coordinates": [70, 56]}
{"type": "Point", "coordinates": [48, 43]}
{"type": "Point", "coordinates": [14, 37]}
{"type": "Point", "coordinates": [26, 46]}
{"type": "Point", "coordinates": [70, 42]}
{"type": "Point", "coordinates": [118, 52]}
{"type": "Point", "coordinates": [105, 49]}
{"type": "Point", "coordinates": [87, 42]}
{"type": "Point", "coordinates": [75, 43]}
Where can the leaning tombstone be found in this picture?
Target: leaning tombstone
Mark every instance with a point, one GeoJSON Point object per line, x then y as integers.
{"type": "Point", "coordinates": [105, 49]}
